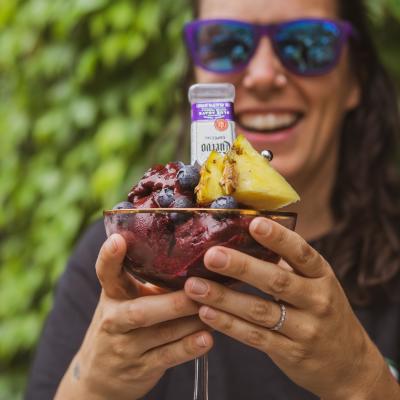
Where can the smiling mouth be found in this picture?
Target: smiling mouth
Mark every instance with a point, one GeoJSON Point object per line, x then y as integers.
{"type": "Point", "coordinates": [269, 122]}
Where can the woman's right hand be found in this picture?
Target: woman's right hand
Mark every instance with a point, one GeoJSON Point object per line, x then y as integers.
{"type": "Point", "coordinates": [137, 332]}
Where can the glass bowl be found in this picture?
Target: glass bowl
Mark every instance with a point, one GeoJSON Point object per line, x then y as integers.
{"type": "Point", "coordinates": [165, 246]}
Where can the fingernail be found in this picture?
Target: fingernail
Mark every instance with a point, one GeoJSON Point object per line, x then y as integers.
{"type": "Point", "coordinates": [218, 259]}
{"type": "Point", "coordinates": [198, 287]}
{"type": "Point", "coordinates": [112, 245]}
{"type": "Point", "coordinates": [262, 227]}
{"type": "Point", "coordinates": [201, 341]}
{"type": "Point", "coordinates": [207, 313]}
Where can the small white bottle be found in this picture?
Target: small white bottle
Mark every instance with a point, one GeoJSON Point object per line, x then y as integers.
{"type": "Point", "coordinates": [213, 125]}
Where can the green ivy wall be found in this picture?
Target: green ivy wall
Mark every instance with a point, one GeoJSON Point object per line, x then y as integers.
{"type": "Point", "coordinates": [88, 90]}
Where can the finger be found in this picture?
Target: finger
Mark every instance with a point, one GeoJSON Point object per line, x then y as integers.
{"type": "Point", "coordinates": [292, 247]}
{"type": "Point", "coordinates": [284, 265]}
{"type": "Point", "coordinates": [166, 332]}
{"type": "Point", "coordinates": [269, 278]}
{"type": "Point", "coordinates": [143, 312]}
{"type": "Point", "coordinates": [265, 340]}
{"type": "Point", "coordinates": [184, 350]}
{"type": "Point", "coordinates": [251, 308]}
{"type": "Point", "coordinates": [116, 282]}
{"type": "Point", "coordinates": [110, 272]}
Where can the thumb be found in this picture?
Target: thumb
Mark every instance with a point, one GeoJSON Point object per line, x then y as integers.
{"type": "Point", "coordinates": [110, 272]}
{"type": "Point", "coordinates": [115, 281]}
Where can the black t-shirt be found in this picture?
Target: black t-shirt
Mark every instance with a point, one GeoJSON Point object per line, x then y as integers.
{"type": "Point", "coordinates": [236, 371]}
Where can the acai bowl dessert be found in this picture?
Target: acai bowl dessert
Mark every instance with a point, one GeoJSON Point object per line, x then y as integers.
{"type": "Point", "coordinates": [176, 212]}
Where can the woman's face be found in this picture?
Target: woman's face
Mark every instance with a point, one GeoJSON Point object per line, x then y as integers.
{"type": "Point", "coordinates": [298, 118]}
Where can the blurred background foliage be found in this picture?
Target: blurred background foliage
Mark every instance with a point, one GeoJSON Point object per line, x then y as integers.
{"type": "Point", "coordinates": [88, 96]}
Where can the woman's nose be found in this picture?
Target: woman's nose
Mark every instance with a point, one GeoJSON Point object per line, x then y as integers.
{"type": "Point", "coordinates": [264, 69]}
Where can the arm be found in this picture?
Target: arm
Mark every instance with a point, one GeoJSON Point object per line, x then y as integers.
{"type": "Point", "coordinates": [136, 334]}
{"type": "Point", "coordinates": [89, 343]}
{"type": "Point", "coordinates": [321, 345]}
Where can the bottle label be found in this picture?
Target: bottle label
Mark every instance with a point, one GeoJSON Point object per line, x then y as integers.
{"type": "Point", "coordinates": [213, 128]}
{"type": "Point", "coordinates": [212, 111]}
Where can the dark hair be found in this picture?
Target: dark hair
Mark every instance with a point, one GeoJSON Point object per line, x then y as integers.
{"type": "Point", "coordinates": [364, 247]}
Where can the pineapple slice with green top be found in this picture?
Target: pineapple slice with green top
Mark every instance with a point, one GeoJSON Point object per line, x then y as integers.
{"type": "Point", "coordinates": [251, 180]}
{"type": "Point", "coordinates": [209, 187]}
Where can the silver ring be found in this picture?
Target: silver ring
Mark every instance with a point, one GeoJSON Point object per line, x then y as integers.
{"type": "Point", "coordinates": [282, 319]}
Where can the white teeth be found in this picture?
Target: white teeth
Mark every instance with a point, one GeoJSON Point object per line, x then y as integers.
{"type": "Point", "coordinates": [270, 122]}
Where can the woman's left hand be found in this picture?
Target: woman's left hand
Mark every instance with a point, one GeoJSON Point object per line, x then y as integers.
{"type": "Point", "coordinates": [321, 345]}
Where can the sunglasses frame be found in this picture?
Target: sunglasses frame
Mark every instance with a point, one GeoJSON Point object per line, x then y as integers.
{"type": "Point", "coordinates": [344, 27]}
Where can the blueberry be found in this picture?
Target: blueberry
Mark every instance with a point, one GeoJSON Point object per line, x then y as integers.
{"type": "Point", "coordinates": [197, 165]}
{"type": "Point", "coordinates": [122, 219]}
{"type": "Point", "coordinates": [227, 202]}
{"type": "Point", "coordinates": [165, 197]}
{"type": "Point", "coordinates": [181, 202]}
{"type": "Point", "coordinates": [180, 164]}
{"type": "Point", "coordinates": [123, 205]}
{"type": "Point", "coordinates": [188, 177]}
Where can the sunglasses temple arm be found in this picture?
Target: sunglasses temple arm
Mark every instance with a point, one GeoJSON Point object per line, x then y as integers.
{"type": "Point", "coordinates": [350, 31]}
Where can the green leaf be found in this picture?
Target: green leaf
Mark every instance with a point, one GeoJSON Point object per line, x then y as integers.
{"type": "Point", "coordinates": [394, 8]}
{"type": "Point", "coordinates": [107, 176]}
{"type": "Point", "coordinates": [83, 112]}
{"type": "Point", "coordinates": [121, 14]}
{"type": "Point", "coordinates": [87, 66]}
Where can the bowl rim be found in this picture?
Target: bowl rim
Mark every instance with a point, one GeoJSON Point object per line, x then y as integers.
{"type": "Point", "coordinates": [240, 211]}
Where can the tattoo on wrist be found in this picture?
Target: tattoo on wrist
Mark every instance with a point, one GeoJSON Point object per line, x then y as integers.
{"type": "Point", "coordinates": [76, 372]}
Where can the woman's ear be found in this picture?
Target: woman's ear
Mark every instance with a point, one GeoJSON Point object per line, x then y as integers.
{"type": "Point", "coordinates": [354, 94]}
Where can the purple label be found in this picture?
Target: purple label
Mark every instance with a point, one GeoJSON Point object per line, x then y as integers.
{"type": "Point", "coordinates": [212, 111]}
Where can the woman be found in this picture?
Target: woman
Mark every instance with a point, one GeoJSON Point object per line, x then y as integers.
{"type": "Point", "coordinates": [329, 115]}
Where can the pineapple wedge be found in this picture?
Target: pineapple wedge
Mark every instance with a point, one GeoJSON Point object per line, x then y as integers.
{"type": "Point", "coordinates": [209, 187]}
{"type": "Point", "coordinates": [251, 180]}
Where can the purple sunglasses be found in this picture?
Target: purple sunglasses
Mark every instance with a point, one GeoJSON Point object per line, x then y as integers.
{"type": "Point", "coordinates": [306, 47]}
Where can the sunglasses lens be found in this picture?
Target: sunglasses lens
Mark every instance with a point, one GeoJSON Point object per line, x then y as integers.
{"type": "Point", "coordinates": [223, 47]}
{"type": "Point", "coordinates": [308, 47]}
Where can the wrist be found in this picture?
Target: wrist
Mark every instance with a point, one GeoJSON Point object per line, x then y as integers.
{"type": "Point", "coordinates": [88, 378]}
{"type": "Point", "coordinates": [84, 380]}
{"type": "Point", "coordinates": [370, 379]}
{"type": "Point", "coordinates": [77, 383]}
{"type": "Point", "coordinates": [384, 386]}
